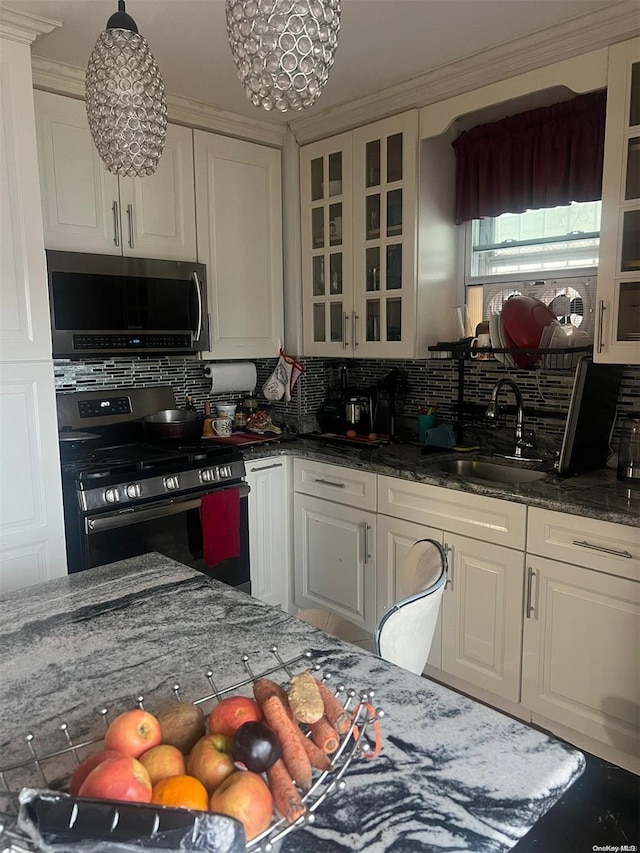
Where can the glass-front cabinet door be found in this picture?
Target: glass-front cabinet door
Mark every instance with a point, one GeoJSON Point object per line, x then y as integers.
{"type": "Point", "coordinates": [326, 193]}
{"type": "Point", "coordinates": [618, 321]}
{"type": "Point", "coordinates": [384, 234]}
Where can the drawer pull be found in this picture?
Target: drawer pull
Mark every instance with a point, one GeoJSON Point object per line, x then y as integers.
{"type": "Point", "coordinates": [585, 544]}
{"type": "Point", "coordinates": [330, 483]}
{"type": "Point", "coordinates": [266, 467]}
{"type": "Point", "coordinates": [529, 608]}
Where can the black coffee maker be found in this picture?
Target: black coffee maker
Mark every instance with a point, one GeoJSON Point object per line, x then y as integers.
{"type": "Point", "coordinates": [388, 390]}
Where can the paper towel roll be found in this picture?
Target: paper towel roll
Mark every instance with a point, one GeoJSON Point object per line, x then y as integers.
{"type": "Point", "coordinates": [235, 376]}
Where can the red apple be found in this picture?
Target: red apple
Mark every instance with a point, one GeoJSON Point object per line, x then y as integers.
{"type": "Point", "coordinates": [210, 760]}
{"type": "Point", "coordinates": [230, 713]}
{"type": "Point", "coordinates": [133, 732]}
{"type": "Point", "coordinates": [85, 767]}
{"type": "Point", "coordinates": [245, 796]}
{"type": "Point", "coordinates": [121, 778]}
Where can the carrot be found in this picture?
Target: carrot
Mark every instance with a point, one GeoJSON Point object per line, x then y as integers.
{"type": "Point", "coordinates": [286, 798]}
{"type": "Point", "coordinates": [263, 688]}
{"type": "Point", "coordinates": [376, 729]}
{"type": "Point", "coordinates": [316, 756]}
{"type": "Point", "coordinates": [334, 709]}
{"type": "Point", "coordinates": [293, 752]}
{"type": "Point", "coordinates": [324, 735]}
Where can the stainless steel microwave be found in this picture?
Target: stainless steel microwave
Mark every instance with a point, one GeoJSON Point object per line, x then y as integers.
{"type": "Point", "coordinates": [106, 305]}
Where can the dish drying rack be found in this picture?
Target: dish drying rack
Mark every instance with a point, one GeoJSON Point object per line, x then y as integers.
{"type": "Point", "coordinates": [351, 744]}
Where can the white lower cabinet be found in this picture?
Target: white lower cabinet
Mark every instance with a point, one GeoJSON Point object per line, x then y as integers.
{"type": "Point", "coordinates": [482, 615]}
{"type": "Point", "coordinates": [581, 665]}
{"type": "Point", "coordinates": [581, 642]}
{"type": "Point", "coordinates": [269, 537]}
{"type": "Point", "coordinates": [335, 544]}
{"type": "Point", "coordinates": [478, 637]}
{"type": "Point", "coordinates": [395, 538]}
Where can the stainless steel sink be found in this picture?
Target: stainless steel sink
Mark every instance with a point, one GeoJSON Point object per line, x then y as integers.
{"type": "Point", "coordinates": [489, 471]}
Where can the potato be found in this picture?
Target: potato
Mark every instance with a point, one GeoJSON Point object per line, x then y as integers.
{"type": "Point", "coordinates": [182, 724]}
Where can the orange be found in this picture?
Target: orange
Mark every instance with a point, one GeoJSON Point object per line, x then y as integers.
{"type": "Point", "coordinates": [180, 792]}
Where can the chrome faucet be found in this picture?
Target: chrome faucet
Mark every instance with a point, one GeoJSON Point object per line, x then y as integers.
{"type": "Point", "coordinates": [521, 442]}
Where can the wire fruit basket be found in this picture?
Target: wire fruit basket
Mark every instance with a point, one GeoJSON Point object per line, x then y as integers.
{"type": "Point", "coordinates": [38, 769]}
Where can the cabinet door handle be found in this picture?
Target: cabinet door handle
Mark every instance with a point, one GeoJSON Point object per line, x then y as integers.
{"type": "Point", "coordinates": [266, 467]}
{"type": "Point", "coordinates": [448, 549]}
{"type": "Point", "coordinates": [367, 555]}
{"type": "Point", "coordinates": [330, 483]}
{"type": "Point", "coordinates": [354, 321]}
{"type": "Point", "coordinates": [116, 223]}
{"type": "Point", "coordinates": [601, 310]}
{"type": "Point", "coordinates": [585, 544]}
{"type": "Point", "coordinates": [529, 608]}
{"type": "Point", "coordinates": [345, 326]}
{"type": "Point", "coordinates": [196, 281]}
{"type": "Point", "coordinates": [130, 218]}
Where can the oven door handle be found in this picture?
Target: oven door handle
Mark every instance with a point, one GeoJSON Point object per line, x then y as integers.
{"type": "Point", "coordinates": [122, 519]}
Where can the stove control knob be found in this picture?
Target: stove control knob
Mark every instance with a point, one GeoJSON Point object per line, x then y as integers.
{"type": "Point", "coordinates": [111, 496]}
{"type": "Point", "coordinates": [133, 490]}
{"type": "Point", "coordinates": [224, 471]}
{"type": "Point", "coordinates": [171, 483]}
{"type": "Point", "coordinates": [207, 475]}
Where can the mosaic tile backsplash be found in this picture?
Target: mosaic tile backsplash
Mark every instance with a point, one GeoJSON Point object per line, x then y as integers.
{"type": "Point", "coordinates": [546, 393]}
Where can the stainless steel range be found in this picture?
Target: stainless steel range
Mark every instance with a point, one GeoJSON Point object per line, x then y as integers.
{"type": "Point", "coordinates": [124, 496]}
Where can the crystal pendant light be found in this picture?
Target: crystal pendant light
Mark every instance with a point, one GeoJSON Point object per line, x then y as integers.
{"type": "Point", "coordinates": [283, 49]}
{"type": "Point", "coordinates": [125, 99]}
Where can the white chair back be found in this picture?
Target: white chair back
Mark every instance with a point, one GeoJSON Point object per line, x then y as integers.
{"type": "Point", "coordinates": [405, 631]}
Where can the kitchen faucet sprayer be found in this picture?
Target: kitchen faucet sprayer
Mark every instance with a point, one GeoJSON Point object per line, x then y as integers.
{"type": "Point", "coordinates": [492, 411]}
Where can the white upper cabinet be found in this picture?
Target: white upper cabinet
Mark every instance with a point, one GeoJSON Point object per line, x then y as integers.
{"type": "Point", "coordinates": [385, 161]}
{"type": "Point", "coordinates": [239, 214]}
{"type": "Point", "coordinates": [618, 318]}
{"type": "Point", "coordinates": [368, 292]}
{"type": "Point", "coordinates": [25, 333]}
{"type": "Point", "coordinates": [87, 209]}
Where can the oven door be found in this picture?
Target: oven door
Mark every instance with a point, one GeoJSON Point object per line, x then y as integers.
{"type": "Point", "coordinates": [172, 528]}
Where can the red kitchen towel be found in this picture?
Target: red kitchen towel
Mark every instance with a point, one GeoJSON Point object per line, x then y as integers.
{"type": "Point", "coordinates": [220, 518]}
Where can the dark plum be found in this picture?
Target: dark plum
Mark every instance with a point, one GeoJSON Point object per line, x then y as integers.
{"type": "Point", "coordinates": [256, 746]}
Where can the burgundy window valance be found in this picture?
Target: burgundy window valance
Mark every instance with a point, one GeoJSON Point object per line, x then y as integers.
{"type": "Point", "coordinates": [545, 157]}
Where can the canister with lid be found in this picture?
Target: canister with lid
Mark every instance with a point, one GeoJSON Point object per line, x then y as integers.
{"type": "Point", "coordinates": [629, 451]}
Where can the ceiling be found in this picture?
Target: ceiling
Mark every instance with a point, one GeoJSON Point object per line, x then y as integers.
{"type": "Point", "coordinates": [381, 43]}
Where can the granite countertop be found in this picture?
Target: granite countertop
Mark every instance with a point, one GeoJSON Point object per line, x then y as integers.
{"type": "Point", "coordinates": [598, 494]}
{"type": "Point", "coordinates": [452, 774]}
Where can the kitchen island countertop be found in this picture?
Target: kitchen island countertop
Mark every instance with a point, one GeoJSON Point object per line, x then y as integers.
{"type": "Point", "coordinates": [452, 774]}
{"type": "Point", "coordinates": [597, 494]}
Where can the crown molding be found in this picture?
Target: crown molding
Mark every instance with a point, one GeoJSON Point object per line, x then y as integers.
{"type": "Point", "coordinates": [69, 80]}
{"type": "Point", "coordinates": [24, 27]}
{"type": "Point", "coordinates": [618, 22]}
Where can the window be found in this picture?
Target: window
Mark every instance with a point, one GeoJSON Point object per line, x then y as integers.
{"type": "Point", "coordinates": [520, 246]}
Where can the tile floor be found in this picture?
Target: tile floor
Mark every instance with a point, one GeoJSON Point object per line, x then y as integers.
{"type": "Point", "coordinates": [600, 811]}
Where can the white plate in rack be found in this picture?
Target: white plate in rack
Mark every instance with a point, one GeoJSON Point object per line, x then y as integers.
{"type": "Point", "coordinates": [494, 334]}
